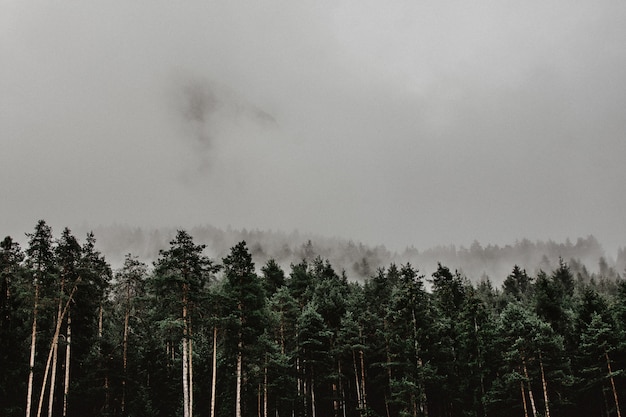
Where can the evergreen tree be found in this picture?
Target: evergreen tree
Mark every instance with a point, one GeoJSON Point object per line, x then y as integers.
{"type": "Point", "coordinates": [246, 301]}
{"type": "Point", "coordinates": [181, 276]}
{"type": "Point", "coordinates": [13, 328]}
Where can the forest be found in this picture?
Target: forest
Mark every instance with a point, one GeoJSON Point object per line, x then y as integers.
{"type": "Point", "coordinates": [190, 335]}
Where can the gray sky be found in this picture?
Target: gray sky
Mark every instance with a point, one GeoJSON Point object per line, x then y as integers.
{"type": "Point", "coordinates": [396, 122]}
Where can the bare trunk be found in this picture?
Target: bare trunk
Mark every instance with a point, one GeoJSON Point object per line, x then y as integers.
{"type": "Point", "coordinates": [608, 365]}
{"type": "Point", "coordinates": [530, 391]}
{"type": "Point", "coordinates": [363, 391]}
{"type": "Point", "coordinates": [305, 396]}
{"type": "Point", "coordinates": [544, 384]}
{"type": "Point", "coordinates": [342, 392]}
{"type": "Point", "coordinates": [239, 377]}
{"type": "Point", "coordinates": [190, 343]}
{"type": "Point", "coordinates": [214, 367]}
{"type": "Point", "coordinates": [521, 385]}
{"type": "Point", "coordinates": [55, 339]}
{"type": "Point", "coordinates": [33, 343]}
{"type": "Point", "coordinates": [313, 414]}
{"type": "Point", "coordinates": [55, 352]}
{"type": "Point", "coordinates": [357, 384]}
{"type": "Point", "coordinates": [53, 378]}
{"type": "Point", "coordinates": [68, 349]}
{"type": "Point", "coordinates": [185, 358]}
{"type": "Point", "coordinates": [265, 388]}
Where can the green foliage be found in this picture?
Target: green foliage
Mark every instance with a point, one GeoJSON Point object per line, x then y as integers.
{"type": "Point", "coordinates": [310, 340]}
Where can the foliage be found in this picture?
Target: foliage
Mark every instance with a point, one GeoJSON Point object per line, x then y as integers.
{"type": "Point", "coordinates": [308, 341]}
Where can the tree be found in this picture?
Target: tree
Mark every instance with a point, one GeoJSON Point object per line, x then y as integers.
{"type": "Point", "coordinates": [517, 285]}
{"type": "Point", "coordinates": [273, 277]}
{"type": "Point", "coordinates": [599, 341]}
{"type": "Point", "coordinates": [40, 262]}
{"type": "Point", "coordinates": [13, 324]}
{"type": "Point", "coordinates": [246, 298]}
{"type": "Point", "coordinates": [129, 286]}
{"type": "Point", "coordinates": [181, 276]}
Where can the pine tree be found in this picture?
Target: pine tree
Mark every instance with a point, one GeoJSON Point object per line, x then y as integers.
{"type": "Point", "coordinates": [13, 326]}
{"type": "Point", "coordinates": [181, 277]}
{"type": "Point", "coordinates": [40, 261]}
{"type": "Point", "coordinates": [245, 296]}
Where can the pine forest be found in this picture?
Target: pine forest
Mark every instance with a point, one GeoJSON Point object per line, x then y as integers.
{"type": "Point", "coordinates": [188, 335]}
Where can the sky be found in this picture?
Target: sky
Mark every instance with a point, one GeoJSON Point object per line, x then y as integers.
{"type": "Point", "coordinates": [402, 123]}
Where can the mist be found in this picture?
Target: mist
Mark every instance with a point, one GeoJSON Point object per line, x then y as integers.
{"type": "Point", "coordinates": [408, 125]}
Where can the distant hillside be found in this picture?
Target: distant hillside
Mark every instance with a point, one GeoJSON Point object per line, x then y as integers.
{"type": "Point", "coordinates": [586, 256]}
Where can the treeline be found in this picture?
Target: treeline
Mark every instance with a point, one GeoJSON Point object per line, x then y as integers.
{"type": "Point", "coordinates": [360, 261]}
{"type": "Point", "coordinates": [190, 336]}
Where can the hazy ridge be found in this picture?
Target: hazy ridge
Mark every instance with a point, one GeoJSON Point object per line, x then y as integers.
{"type": "Point", "coordinates": [585, 256]}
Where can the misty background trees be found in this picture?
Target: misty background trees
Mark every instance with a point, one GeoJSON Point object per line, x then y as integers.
{"type": "Point", "coordinates": [268, 328]}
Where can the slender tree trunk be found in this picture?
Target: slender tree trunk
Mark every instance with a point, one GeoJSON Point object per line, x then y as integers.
{"type": "Point", "coordinates": [53, 378]}
{"type": "Point", "coordinates": [55, 352]}
{"type": "Point", "coordinates": [305, 396]}
{"type": "Point", "coordinates": [530, 391]}
{"type": "Point", "coordinates": [521, 385]}
{"type": "Point", "coordinates": [68, 349]}
{"type": "Point", "coordinates": [608, 365]}
{"type": "Point", "coordinates": [544, 384]}
{"type": "Point", "coordinates": [214, 368]}
{"type": "Point", "coordinates": [55, 339]}
{"type": "Point", "coordinates": [265, 388]}
{"type": "Point", "coordinates": [33, 343]}
{"type": "Point", "coordinates": [185, 358]}
{"type": "Point", "coordinates": [363, 390]}
{"type": "Point", "coordinates": [342, 392]}
{"type": "Point", "coordinates": [190, 344]}
{"type": "Point", "coordinates": [357, 384]}
{"type": "Point", "coordinates": [313, 413]}
{"type": "Point", "coordinates": [239, 376]}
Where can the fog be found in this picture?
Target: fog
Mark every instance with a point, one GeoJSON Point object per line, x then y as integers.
{"type": "Point", "coordinates": [396, 123]}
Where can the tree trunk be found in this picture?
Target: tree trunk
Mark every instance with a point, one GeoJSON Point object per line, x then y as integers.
{"type": "Point", "coordinates": [185, 358]}
{"type": "Point", "coordinates": [55, 352]}
{"type": "Point", "coordinates": [521, 385]}
{"type": "Point", "coordinates": [68, 349]}
{"type": "Point", "coordinates": [239, 377]}
{"type": "Point", "coordinates": [214, 368]}
{"type": "Point", "coordinates": [265, 388]}
{"type": "Point", "coordinates": [55, 339]}
{"type": "Point", "coordinates": [530, 391]}
{"type": "Point", "coordinates": [357, 384]}
{"type": "Point", "coordinates": [608, 365]}
{"type": "Point", "coordinates": [33, 343]}
{"type": "Point", "coordinates": [544, 384]}
{"type": "Point", "coordinates": [190, 345]}
{"type": "Point", "coordinates": [363, 390]}
{"type": "Point", "coordinates": [53, 378]}
{"type": "Point", "coordinates": [313, 413]}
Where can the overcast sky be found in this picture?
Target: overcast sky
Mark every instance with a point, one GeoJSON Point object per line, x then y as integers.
{"type": "Point", "coordinates": [387, 122]}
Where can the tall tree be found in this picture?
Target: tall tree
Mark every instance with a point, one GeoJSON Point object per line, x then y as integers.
{"type": "Point", "coordinates": [12, 323]}
{"type": "Point", "coordinates": [246, 297]}
{"type": "Point", "coordinates": [129, 286]}
{"type": "Point", "coordinates": [181, 276]}
{"type": "Point", "coordinates": [41, 263]}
